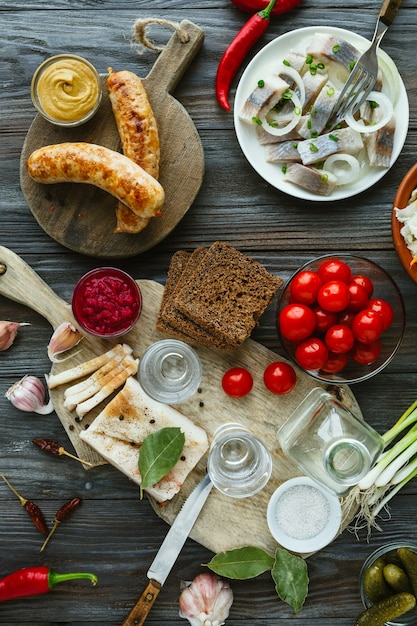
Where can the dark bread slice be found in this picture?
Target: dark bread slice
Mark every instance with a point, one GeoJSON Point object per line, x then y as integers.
{"type": "Point", "coordinates": [178, 262]}
{"type": "Point", "coordinates": [227, 293]}
{"type": "Point", "coordinates": [170, 320]}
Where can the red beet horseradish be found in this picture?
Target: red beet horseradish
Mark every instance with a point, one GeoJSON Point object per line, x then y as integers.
{"type": "Point", "coordinates": [106, 302]}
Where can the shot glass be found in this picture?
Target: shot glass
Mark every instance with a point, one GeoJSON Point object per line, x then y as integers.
{"type": "Point", "coordinates": [239, 464]}
{"type": "Point", "coordinates": [170, 371]}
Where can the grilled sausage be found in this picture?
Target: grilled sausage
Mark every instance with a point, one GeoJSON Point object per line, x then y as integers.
{"type": "Point", "coordinates": [139, 136]}
{"type": "Point", "coordinates": [99, 166]}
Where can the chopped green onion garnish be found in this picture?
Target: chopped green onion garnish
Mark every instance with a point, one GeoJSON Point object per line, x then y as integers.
{"type": "Point", "coordinates": [330, 91]}
{"type": "Point", "coordinates": [314, 134]}
{"type": "Point", "coordinates": [333, 137]}
{"type": "Point", "coordinates": [324, 178]}
{"type": "Point", "coordinates": [313, 147]}
{"type": "Point", "coordinates": [284, 169]}
{"type": "Point", "coordinates": [287, 63]}
{"type": "Point", "coordinates": [336, 47]}
{"type": "Point", "coordinates": [261, 83]}
{"type": "Point", "coordinates": [309, 59]}
{"type": "Point", "coordinates": [256, 120]}
{"type": "Point", "coordinates": [287, 95]}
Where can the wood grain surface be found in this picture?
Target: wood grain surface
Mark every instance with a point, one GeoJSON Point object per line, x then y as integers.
{"type": "Point", "coordinates": [82, 217]}
{"type": "Point", "coordinates": [261, 412]}
{"type": "Point", "coordinates": [114, 534]}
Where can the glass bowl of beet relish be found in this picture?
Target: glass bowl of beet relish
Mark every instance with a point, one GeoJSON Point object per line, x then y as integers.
{"type": "Point", "coordinates": [340, 318]}
{"type": "Point", "coordinates": [106, 302]}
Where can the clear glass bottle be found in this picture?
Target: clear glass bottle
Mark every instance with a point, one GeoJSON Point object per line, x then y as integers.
{"type": "Point", "coordinates": [329, 443]}
{"type": "Point", "coordinates": [239, 464]}
{"type": "Point", "coordinates": [170, 371]}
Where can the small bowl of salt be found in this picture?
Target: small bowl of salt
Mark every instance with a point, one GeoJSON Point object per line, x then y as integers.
{"type": "Point", "coordinates": [303, 516]}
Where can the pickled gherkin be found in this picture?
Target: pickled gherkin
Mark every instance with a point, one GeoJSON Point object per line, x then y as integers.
{"type": "Point", "coordinates": [386, 610]}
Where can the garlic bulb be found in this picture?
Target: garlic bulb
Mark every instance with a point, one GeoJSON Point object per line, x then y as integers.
{"type": "Point", "coordinates": [65, 337]}
{"type": "Point", "coordinates": [8, 331]}
{"type": "Point", "coordinates": [206, 601]}
{"type": "Point", "coordinates": [28, 394]}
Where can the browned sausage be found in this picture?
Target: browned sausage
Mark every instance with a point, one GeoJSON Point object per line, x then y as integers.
{"type": "Point", "coordinates": [99, 166]}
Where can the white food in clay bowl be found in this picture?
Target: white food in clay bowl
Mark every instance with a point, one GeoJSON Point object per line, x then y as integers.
{"type": "Point", "coordinates": [266, 63]}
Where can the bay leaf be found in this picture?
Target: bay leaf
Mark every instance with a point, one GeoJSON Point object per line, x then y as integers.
{"type": "Point", "coordinates": [159, 452]}
{"type": "Point", "coordinates": [241, 563]}
{"type": "Point", "coordinates": [290, 575]}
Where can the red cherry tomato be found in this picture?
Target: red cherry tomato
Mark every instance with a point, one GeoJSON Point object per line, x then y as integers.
{"type": "Point", "coordinates": [304, 287]}
{"type": "Point", "coordinates": [333, 296]}
{"type": "Point", "coordinates": [333, 269]}
{"type": "Point", "coordinates": [279, 378]}
{"type": "Point", "coordinates": [335, 363]}
{"type": "Point", "coordinates": [296, 322]}
{"type": "Point", "coordinates": [237, 382]}
{"type": "Point", "coordinates": [358, 297]}
{"type": "Point", "coordinates": [384, 308]}
{"type": "Point", "coordinates": [324, 319]}
{"type": "Point", "coordinates": [365, 282]}
{"type": "Point", "coordinates": [367, 326]}
{"type": "Point", "coordinates": [366, 353]}
{"type": "Point", "coordinates": [311, 354]}
{"type": "Point", "coordinates": [339, 339]}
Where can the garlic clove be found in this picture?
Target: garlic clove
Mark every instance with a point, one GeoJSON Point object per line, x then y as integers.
{"type": "Point", "coordinates": [65, 337]}
{"type": "Point", "coordinates": [28, 394]}
{"type": "Point", "coordinates": [8, 332]}
{"type": "Point", "coordinates": [206, 601]}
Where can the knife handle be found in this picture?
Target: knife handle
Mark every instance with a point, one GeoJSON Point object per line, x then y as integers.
{"type": "Point", "coordinates": [140, 611]}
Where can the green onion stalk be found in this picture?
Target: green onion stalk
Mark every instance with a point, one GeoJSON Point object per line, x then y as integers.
{"type": "Point", "coordinates": [394, 468]}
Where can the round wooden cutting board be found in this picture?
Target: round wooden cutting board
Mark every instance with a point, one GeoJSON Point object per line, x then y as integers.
{"type": "Point", "coordinates": [82, 217]}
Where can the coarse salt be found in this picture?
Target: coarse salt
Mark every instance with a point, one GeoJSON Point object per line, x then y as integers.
{"type": "Point", "coordinates": [302, 512]}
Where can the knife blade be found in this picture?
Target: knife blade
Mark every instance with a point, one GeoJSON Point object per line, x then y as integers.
{"type": "Point", "coordinates": [169, 551]}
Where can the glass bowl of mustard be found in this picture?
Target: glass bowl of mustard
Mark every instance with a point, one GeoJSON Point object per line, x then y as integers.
{"type": "Point", "coordinates": [66, 90]}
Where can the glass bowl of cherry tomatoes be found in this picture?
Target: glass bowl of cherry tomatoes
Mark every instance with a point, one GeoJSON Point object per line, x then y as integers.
{"type": "Point", "coordinates": [340, 318]}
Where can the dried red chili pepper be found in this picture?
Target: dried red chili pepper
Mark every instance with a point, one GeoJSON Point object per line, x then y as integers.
{"type": "Point", "coordinates": [60, 516]}
{"type": "Point", "coordinates": [55, 448]}
{"type": "Point", "coordinates": [31, 508]}
{"type": "Point", "coordinates": [33, 581]}
{"type": "Point", "coordinates": [250, 6]}
{"type": "Point", "coordinates": [237, 51]}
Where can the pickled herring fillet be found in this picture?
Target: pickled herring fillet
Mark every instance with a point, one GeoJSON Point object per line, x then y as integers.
{"type": "Point", "coordinates": [322, 107]}
{"type": "Point", "coordinates": [380, 143]}
{"type": "Point", "coordinates": [345, 140]}
{"type": "Point", "coordinates": [330, 48]}
{"type": "Point", "coordinates": [315, 181]}
{"type": "Point", "coordinates": [263, 99]}
{"type": "Point", "coordinates": [283, 151]}
{"type": "Point", "coordinates": [265, 138]}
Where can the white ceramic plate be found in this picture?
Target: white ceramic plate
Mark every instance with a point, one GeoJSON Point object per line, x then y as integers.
{"type": "Point", "coordinates": [263, 63]}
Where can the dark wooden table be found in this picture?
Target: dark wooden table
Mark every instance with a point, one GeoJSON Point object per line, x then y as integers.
{"type": "Point", "coordinates": [114, 534]}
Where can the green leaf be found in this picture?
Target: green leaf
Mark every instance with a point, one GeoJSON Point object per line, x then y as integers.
{"type": "Point", "coordinates": [159, 453]}
{"type": "Point", "coordinates": [291, 578]}
{"type": "Point", "coordinates": [241, 563]}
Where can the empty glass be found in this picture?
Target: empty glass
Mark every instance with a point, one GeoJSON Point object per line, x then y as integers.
{"type": "Point", "coordinates": [170, 371]}
{"type": "Point", "coordinates": [239, 464]}
{"type": "Point", "coordinates": [329, 443]}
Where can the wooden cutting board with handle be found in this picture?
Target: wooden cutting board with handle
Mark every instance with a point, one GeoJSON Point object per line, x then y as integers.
{"type": "Point", "coordinates": [82, 217]}
{"type": "Point", "coordinates": [224, 522]}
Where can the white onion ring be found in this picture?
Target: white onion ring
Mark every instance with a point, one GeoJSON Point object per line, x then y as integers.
{"type": "Point", "coordinates": [383, 101]}
{"type": "Point", "coordinates": [275, 130]}
{"type": "Point", "coordinates": [344, 175]}
{"type": "Point", "coordinates": [292, 73]}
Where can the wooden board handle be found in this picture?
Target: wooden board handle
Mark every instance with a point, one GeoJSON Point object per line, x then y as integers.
{"type": "Point", "coordinates": [174, 59]}
{"type": "Point", "coordinates": [19, 282]}
{"type": "Point", "coordinates": [140, 611]}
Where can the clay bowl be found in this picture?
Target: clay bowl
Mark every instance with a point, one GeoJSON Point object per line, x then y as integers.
{"type": "Point", "coordinates": [407, 186]}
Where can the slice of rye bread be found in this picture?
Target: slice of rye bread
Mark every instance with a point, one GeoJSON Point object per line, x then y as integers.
{"type": "Point", "coordinates": [170, 320]}
{"type": "Point", "coordinates": [178, 262]}
{"type": "Point", "coordinates": [227, 293]}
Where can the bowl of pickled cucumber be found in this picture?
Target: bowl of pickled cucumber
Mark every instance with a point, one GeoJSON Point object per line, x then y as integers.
{"type": "Point", "coordinates": [388, 586]}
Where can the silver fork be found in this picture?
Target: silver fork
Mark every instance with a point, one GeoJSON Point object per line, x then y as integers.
{"type": "Point", "coordinates": [363, 76]}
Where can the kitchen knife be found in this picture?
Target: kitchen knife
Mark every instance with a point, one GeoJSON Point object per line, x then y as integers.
{"type": "Point", "coordinates": [169, 551]}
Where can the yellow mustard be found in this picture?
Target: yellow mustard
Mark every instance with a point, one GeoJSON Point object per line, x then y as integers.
{"type": "Point", "coordinates": [67, 89]}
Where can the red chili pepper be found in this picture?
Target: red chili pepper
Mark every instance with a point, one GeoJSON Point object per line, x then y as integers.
{"type": "Point", "coordinates": [250, 6]}
{"type": "Point", "coordinates": [237, 51]}
{"type": "Point", "coordinates": [33, 581]}
{"type": "Point", "coordinates": [32, 509]}
{"type": "Point", "coordinates": [60, 516]}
